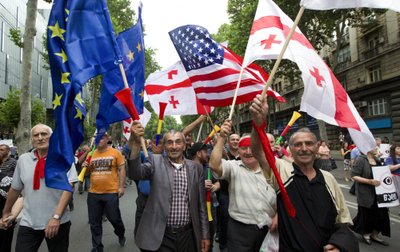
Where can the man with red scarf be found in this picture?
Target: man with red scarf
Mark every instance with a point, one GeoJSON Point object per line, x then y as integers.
{"type": "Point", "coordinates": [45, 214]}
{"type": "Point", "coordinates": [252, 201]}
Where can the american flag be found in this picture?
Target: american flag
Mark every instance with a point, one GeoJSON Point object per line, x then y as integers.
{"type": "Point", "coordinates": [214, 70]}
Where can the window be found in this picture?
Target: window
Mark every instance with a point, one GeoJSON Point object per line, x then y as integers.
{"type": "Point", "coordinates": [17, 16]}
{"type": "Point", "coordinates": [3, 28]}
{"type": "Point", "coordinates": [344, 54]}
{"type": "Point", "coordinates": [374, 74]}
{"type": "Point", "coordinates": [377, 107]}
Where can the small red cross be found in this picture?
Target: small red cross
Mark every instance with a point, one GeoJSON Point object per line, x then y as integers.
{"type": "Point", "coordinates": [171, 73]}
{"type": "Point", "coordinates": [173, 102]}
{"type": "Point", "coordinates": [271, 40]}
{"type": "Point", "coordinates": [319, 78]}
{"type": "Point", "coordinates": [126, 129]}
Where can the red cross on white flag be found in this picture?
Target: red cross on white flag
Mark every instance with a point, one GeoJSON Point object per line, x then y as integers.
{"type": "Point", "coordinates": [324, 97]}
{"type": "Point", "coordinates": [173, 86]}
{"type": "Point", "coordinates": [144, 119]}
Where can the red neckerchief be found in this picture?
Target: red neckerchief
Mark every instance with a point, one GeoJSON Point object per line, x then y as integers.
{"type": "Point", "coordinates": [39, 170]}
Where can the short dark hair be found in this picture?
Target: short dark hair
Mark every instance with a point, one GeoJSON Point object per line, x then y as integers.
{"type": "Point", "coordinates": [7, 147]}
{"type": "Point", "coordinates": [302, 130]}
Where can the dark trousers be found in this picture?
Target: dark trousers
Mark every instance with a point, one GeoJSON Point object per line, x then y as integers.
{"type": "Point", "coordinates": [181, 241]}
{"type": "Point", "coordinates": [108, 204]}
{"type": "Point", "coordinates": [140, 205]}
{"type": "Point", "coordinates": [223, 220]}
{"type": "Point", "coordinates": [6, 237]}
{"type": "Point", "coordinates": [245, 237]}
{"type": "Point", "coordinates": [29, 240]}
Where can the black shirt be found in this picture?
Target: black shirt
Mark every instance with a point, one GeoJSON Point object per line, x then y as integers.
{"type": "Point", "coordinates": [315, 217]}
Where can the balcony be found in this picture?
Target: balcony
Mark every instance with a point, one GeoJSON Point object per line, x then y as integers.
{"type": "Point", "coordinates": [370, 53]}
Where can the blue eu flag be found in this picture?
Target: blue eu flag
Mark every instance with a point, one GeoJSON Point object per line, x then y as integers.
{"type": "Point", "coordinates": [111, 109]}
{"type": "Point", "coordinates": [81, 45]}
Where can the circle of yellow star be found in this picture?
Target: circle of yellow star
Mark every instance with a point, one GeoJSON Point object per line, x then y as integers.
{"type": "Point", "coordinates": [57, 31]}
{"type": "Point", "coordinates": [78, 97]}
{"type": "Point", "coordinates": [78, 113]}
{"type": "Point", "coordinates": [57, 101]}
{"type": "Point", "coordinates": [64, 77]}
{"type": "Point", "coordinates": [62, 55]}
{"type": "Point", "coordinates": [130, 55]}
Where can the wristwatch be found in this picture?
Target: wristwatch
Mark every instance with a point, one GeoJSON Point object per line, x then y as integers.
{"type": "Point", "coordinates": [56, 217]}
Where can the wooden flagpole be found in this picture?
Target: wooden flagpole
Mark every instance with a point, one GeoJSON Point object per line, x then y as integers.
{"type": "Point", "coordinates": [143, 144]}
{"type": "Point", "coordinates": [235, 95]}
{"type": "Point", "coordinates": [276, 65]}
{"type": "Point", "coordinates": [198, 134]}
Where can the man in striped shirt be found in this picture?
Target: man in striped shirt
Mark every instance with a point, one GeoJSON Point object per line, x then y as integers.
{"type": "Point", "coordinates": [252, 201]}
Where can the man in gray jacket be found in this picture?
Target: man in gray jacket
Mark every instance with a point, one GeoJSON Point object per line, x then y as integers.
{"type": "Point", "coordinates": [175, 217]}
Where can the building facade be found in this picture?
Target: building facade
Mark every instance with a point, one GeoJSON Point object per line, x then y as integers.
{"type": "Point", "coordinates": [13, 15]}
{"type": "Point", "coordinates": [369, 70]}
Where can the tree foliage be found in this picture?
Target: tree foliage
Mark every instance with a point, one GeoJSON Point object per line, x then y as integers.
{"type": "Point", "coordinates": [10, 111]}
{"type": "Point", "coordinates": [169, 123]}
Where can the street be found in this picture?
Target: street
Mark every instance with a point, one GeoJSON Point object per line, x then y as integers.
{"type": "Point", "coordinates": [80, 238]}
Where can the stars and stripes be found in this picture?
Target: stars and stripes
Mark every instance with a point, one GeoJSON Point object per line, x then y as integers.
{"type": "Point", "coordinates": [213, 69]}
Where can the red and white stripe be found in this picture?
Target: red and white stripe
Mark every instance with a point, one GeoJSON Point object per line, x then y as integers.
{"type": "Point", "coordinates": [215, 84]}
{"type": "Point", "coordinates": [173, 86]}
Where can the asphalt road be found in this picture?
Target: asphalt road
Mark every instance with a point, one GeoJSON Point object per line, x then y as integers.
{"type": "Point", "coordinates": [80, 238]}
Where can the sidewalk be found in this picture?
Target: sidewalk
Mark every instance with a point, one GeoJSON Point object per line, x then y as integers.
{"type": "Point", "coordinates": [336, 155]}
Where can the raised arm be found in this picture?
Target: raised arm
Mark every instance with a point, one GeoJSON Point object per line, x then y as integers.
{"type": "Point", "coordinates": [188, 129]}
{"type": "Point", "coordinates": [216, 154]}
{"type": "Point", "coordinates": [259, 110]}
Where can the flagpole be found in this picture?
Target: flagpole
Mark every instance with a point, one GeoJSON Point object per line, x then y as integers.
{"type": "Point", "coordinates": [285, 45]}
{"type": "Point", "coordinates": [209, 118]}
{"type": "Point", "coordinates": [235, 95]}
{"type": "Point", "coordinates": [142, 142]}
{"type": "Point", "coordinates": [198, 134]}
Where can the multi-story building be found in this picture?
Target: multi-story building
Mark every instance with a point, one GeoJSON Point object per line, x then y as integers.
{"type": "Point", "coordinates": [13, 15]}
{"type": "Point", "coordinates": [369, 70]}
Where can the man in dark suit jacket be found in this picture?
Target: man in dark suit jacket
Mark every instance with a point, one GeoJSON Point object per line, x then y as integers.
{"type": "Point", "coordinates": [175, 217]}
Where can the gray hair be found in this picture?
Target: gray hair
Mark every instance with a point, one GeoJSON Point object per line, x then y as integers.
{"type": "Point", "coordinates": [45, 126]}
{"type": "Point", "coordinates": [302, 130]}
{"type": "Point", "coordinates": [173, 132]}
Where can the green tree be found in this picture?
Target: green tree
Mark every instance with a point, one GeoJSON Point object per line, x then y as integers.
{"type": "Point", "coordinates": [169, 123]}
{"type": "Point", "coordinates": [10, 111]}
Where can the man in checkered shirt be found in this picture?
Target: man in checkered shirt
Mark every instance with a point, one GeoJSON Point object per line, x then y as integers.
{"type": "Point", "coordinates": [175, 217]}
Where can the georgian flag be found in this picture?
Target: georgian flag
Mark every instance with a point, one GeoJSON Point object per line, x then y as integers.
{"type": "Point", "coordinates": [324, 97]}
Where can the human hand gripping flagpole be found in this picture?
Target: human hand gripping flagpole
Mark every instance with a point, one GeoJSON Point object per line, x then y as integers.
{"type": "Point", "coordinates": [260, 130]}
{"type": "Point", "coordinates": [124, 96]}
{"type": "Point", "coordinates": [81, 176]}
{"type": "Point", "coordinates": [276, 65]}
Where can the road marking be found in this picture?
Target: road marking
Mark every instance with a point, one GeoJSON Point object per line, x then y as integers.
{"type": "Point", "coordinates": [393, 217]}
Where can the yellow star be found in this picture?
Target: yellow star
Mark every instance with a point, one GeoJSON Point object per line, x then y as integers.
{"type": "Point", "coordinates": [62, 55]}
{"type": "Point", "coordinates": [78, 113]}
{"type": "Point", "coordinates": [78, 97]}
{"type": "Point", "coordinates": [66, 11]}
{"type": "Point", "coordinates": [139, 48]}
{"type": "Point", "coordinates": [64, 77]}
{"type": "Point", "coordinates": [57, 101]}
{"type": "Point", "coordinates": [141, 94]}
{"type": "Point", "coordinates": [57, 31]}
{"type": "Point", "coordinates": [130, 55]}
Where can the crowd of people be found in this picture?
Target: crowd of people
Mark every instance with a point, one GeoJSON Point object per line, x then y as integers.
{"type": "Point", "coordinates": [191, 196]}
